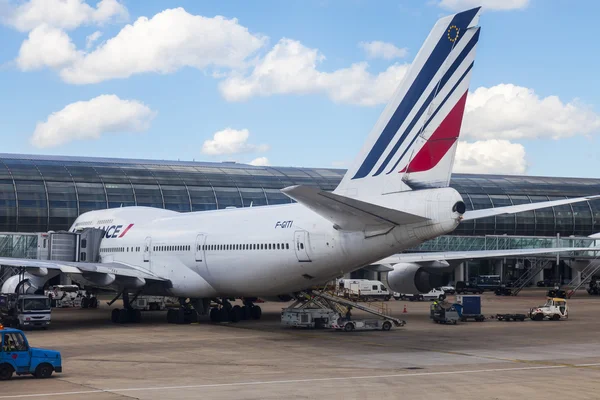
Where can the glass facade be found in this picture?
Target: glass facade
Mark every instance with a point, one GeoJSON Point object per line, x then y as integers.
{"type": "Point", "coordinates": [41, 193]}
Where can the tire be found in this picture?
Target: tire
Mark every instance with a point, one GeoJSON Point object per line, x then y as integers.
{"type": "Point", "coordinates": [538, 317]}
{"type": "Point", "coordinates": [180, 318]}
{"type": "Point", "coordinates": [123, 316]}
{"type": "Point", "coordinates": [256, 312]}
{"type": "Point", "coordinates": [349, 327]}
{"type": "Point", "coordinates": [137, 316]}
{"type": "Point", "coordinates": [171, 315]}
{"type": "Point", "coordinates": [555, 317]}
{"type": "Point", "coordinates": [114, 315]}
{"type": "Point", "coordinates": [6, 372]}
{"type": "Point", "coordinates": [215, 315]}
{"type": "Point", "coordinates": [44, 371]}
{"type": "Point", "coordinates": [387, 298]}
{"type": "Point", "coordinates": [387, 325]}
{"type": "Point", "coordinates": [235, 315]}
{"type": "Point", "coordinates": [441, 297]}
{"type": "Point", "coordinates": [85, 302]}
{"type": "Point", "coordinates": [93, 302]}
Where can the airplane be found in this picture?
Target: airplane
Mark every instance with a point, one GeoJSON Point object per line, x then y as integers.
{"type": "Point", "coordinates": [395, 196]}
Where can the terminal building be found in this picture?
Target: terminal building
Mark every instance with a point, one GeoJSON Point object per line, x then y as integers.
{"type": "Point", "coordinates": [47, 193]}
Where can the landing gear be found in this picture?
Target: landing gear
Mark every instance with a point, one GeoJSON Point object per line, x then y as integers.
{"type": "Point", "coordinates": [89, 301]}
{"type": "Point", "coordinates": [127, 314]}
{"type": "Point", "coordinates": [185, 314]}
{"type": "Point", "coordinates": [227, 312]}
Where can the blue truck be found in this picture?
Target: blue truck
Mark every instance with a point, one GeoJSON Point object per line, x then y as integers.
{"type": "Point", "coordinates": [16, 356]}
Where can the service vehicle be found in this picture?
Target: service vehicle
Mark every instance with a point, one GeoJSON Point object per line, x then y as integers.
{"type": "Point", "coordinates": [309, 317]}
{"type": "Point", "coordinates": [363, 289]}
{"type": "Point", "coordinates": [433, 294]}
{"type": "Point", "coordinates": [16, 356]}
{"type": "Point", "coordinates": [555, 309]}
{"type": "Point", "coordinates": [64, 296]}
{"type": "Point", "coordinates": [349, 325]}
{"type": "Point", "coordinates": [468, 287]}
{"type": "Point", "coordinates": [152, 303]}
{"type": "Point", "coordinates": [448, 289]}
{"type": "Point", "coordinates": [594, 287]}
{"type": "Point", "coordinates": [25, 310]}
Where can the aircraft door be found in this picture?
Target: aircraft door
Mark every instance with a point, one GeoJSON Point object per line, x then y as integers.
{"type": "Point", "coordinates": [301, 246]}
{"type": "Point", "coordinates": [200, 239]}
{"type": "Point", "coordinates": [147, 245]}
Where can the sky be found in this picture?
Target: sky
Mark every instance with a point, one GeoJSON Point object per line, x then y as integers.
{"type": "Point", "coordinates": [294, 83]}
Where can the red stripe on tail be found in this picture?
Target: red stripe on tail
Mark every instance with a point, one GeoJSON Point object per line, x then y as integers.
{"type": "Point", "coordinates": [440, 141]}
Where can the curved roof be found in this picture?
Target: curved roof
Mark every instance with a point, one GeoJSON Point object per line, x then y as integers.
{"type": "Point", "coordinates": [40, 193]}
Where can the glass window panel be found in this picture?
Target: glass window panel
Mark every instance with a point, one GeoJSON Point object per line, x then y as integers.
{"type": "Point", "coordinates": [563, 216]}
{"type": "Point", "coordinates": [176, 198]}
{"type": "Point", "coordinates": [112, 175]}
{"type": "Point", "coordinates": [276, 197]}
{"type": "Point", "coordinates": [148, 195]}
{"type": "Point", "coordinates": [165, 175]}
{"type": "Point", "coordinates": [119, 195]}
{"type": "Point", "coordinates": [215, 176]}
{"type": "Point", "coordinates": [23, 170]}
{"type": "Point", "coordinates": [139, 174]}
{"type": "Point", "coordinates": [583, 219]}
{"type": "Point", "coordinates": [203, 198]}
{"type": "Point", "coordinates": [256, 197]}
{"type": "Point", "coordinates": [55, 173]}
{"type": "Point", "coordinates": [544, 218]}
{"type": "Point", "coordinates": [484, 226]}
{"type": "Point", "coordinates": [505, 224]}
{"type": "Point", "coordinates": [525, 220]}
{"type": "Point", "coordinates": [83, 174]}
{"type": "Point", "coordinates": [91, 196]}
{"type": "Point", "coordinates": [228, 197]}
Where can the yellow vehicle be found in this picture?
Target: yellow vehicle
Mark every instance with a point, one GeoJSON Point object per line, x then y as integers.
{"type": "Point", "coordinates": [554, 309]}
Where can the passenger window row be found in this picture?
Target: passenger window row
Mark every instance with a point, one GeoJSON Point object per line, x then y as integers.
{"type": "Point", "coordinates": [172, 248]}
{"type": "Point", "coordinates": [254, 246]}
{"type": "Point", "coordinates": [120, 249]}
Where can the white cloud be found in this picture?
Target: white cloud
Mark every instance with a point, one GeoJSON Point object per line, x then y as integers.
{"type": "Point", "coordinates": [290, 67]}
{"type": "Point", "coordinates": [460, 5]}
{"type": "Point", "coordinates": [91, 39]}
{"type": "Point", "coordinates": [64, 14]}
{"type": "Point", "coordinates": [46, 47]}
{"type": "Point", "coordinates": [231, 141]}
{"type": "Point", "coordinates": [378, 49]}
{"type": "Point", "coordinates": [170, 40]}
{"type": "Point", "coordinates": [260, 161]}
{"type": "Point", "coordinates": [90, 119]}
{"type": "Point", "coordinates": [514, 112]}
{"type": "Point", "coordinates": [490, 157]}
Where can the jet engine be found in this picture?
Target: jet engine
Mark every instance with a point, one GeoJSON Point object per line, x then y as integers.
{"type": "Point", "coordinates": [33, 282]}
{"type": "Point", "coordinates": [416, 278]}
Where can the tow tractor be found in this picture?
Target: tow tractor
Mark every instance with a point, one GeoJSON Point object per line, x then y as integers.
{"type": "Point", "coordinates": [554, 309]}
{"type": "Point", "coordinates": [17, 357]}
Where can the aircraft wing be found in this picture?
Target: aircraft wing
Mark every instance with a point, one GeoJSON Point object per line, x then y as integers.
{"type": "Point", "coordinates": [470, 255]}
{"type": "Point", "coordinates": [490, 212]}
{"type": "Point", "coordinates": [348, 213]}
{"type": "Point", "coordinates": [114, 270]}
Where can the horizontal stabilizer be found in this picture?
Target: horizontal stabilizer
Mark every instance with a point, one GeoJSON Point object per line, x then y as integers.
{"type": "Point", "coordinates": [350, 214]}
{"type": "Point", "coordinates": [490, 212]}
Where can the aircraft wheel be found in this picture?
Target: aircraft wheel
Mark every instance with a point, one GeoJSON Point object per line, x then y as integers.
{"type": "Point", "coordinates": [256, 312]}
{"type": "Point", "coordinates": [223, 315]}
{"type": "Point", "coordinates": [245, 313]}
{"type": "Point", "coordinates": [114, 316]}
{"type": "Point", "coordinates": [180, 316]}
{"type": "Point", "coordinates": [93, 302]}
{"type": "Point", "coordinates": [235, 315]}
{"type": "Point", "coordinates": [215, 315]}
{"type": "Point", "coordinates": [123, 316]}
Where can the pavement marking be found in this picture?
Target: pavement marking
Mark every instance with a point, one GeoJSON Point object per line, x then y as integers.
{"type": "Point", "coordinates": [258, 383]}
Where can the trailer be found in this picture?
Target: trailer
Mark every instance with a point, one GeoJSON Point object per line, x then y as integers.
{"type": "Point", "coordinates": [317, 318]}
{"type": "Point", "coordinates": [469, 307]}
{"type": "Point", "coordinates": [350, 325]}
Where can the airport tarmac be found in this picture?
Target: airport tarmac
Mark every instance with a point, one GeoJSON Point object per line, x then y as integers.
{"type": "Point", "coordinates": [262, 360]}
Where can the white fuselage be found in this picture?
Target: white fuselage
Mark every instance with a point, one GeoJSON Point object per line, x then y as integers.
{"type": "Point", "coordinates": [258, 251]}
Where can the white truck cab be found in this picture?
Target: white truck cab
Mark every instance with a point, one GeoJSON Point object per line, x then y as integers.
{"type": "Point", "coordinates": [363, 289]}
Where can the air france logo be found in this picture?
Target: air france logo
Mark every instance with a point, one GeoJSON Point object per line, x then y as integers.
{"type": "Point", "coordinates": [114, 231]}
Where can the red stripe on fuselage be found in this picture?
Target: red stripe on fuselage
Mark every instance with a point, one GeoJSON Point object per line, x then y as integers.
{"type": "Point", "coordinates": [125, 231]}
{"type": "Point", "coordinates": [440, 141]}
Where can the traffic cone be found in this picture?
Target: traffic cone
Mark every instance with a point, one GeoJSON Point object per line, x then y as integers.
{"type": "Point", "coordinates": [404, 311]}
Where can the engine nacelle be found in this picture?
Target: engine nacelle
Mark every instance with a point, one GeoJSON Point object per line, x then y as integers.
{"type": "Point", "coordinates": [33, 284]}
{"type": "Point", "coordinates": [413, 278]}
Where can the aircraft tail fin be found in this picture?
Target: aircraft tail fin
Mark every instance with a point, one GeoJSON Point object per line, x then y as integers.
{"type": "Point", "coordinates": [412, 145]}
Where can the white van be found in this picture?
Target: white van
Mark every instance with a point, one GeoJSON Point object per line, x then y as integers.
{"type": "Point", "coordinates": [363, 289]}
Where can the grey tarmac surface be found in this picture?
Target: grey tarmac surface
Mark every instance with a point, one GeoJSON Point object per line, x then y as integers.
{"type": "Point", "coordinates": [262, 360]}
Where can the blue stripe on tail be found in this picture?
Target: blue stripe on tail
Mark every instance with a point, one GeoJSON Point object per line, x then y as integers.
{"type": "Point", "coordinates": [414, 93]}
